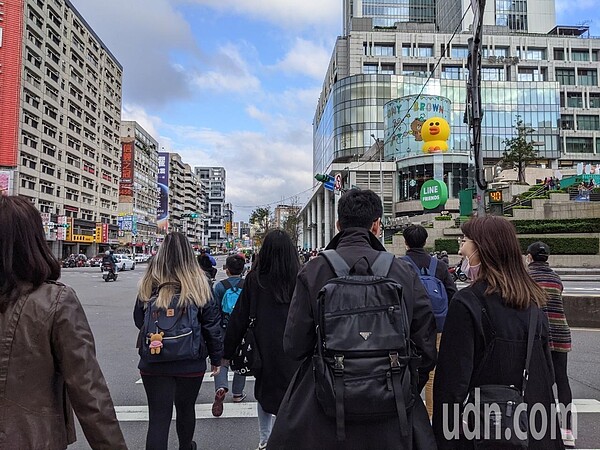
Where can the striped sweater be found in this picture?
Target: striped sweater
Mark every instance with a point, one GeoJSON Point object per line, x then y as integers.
{"type": "Point", "coordinates": [560, 333]}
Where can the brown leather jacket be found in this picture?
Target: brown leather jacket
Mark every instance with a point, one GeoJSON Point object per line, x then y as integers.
{"type": "Point", "coordinates": [48, 368]}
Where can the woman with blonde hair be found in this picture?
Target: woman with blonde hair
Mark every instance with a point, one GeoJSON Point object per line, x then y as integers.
{"type": "Point", "coordinates": [174, 294]}
{"type": "Point", "coordinates": [48, 362]}
{"type": "Point", "coordinates": [485, 339]}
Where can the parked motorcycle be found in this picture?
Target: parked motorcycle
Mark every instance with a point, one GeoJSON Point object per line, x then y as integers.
{"type": "Point", "coordinates": [109, 273]}
{"type": "Point", "coordinates": [458, 274]}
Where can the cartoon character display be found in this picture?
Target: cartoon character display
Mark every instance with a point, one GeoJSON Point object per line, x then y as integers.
{"type": "Point", "coordinates": [156, 342]}
{"type": "Point", "coordinates": [416, 127]}
{"type": "Point", "coordinates": [435, 132]}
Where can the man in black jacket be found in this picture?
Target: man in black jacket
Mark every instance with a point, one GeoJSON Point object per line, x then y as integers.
{"type": "Point", "coordinates": [415, 237]}
{"type": "Point", "coordinates": [301, 422]}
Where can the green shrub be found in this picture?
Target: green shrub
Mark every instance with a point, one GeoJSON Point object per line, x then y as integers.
{"type": "Point", "coordinates": [557, 226]}
{"type": "Point", "coordinates": [443, 217]}
{"type": "Point", "coordinates": [450, 245]}
{"type": "Point", "coordinates": [565, 246]}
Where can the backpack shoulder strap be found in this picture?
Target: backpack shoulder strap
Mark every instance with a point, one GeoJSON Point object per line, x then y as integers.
{"type": "Point", "coordinates": [433, 266]}
{"type": "Point", "coordinates": [337, 263]}
{"type": "Point", "coordinates": [240, 284]}
{"type": "Point", "coordinates": [409, 260]}
{"type": "Point", "coordinates": [226, 284]}
{"type": "Point", "coordinates": [383, 264]}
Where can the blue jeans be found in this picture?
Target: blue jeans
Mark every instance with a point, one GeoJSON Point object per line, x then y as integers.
{"type": "Point", "coordinates": [237, 387]}
{"type": "Point", "coordinates": [265, 424]}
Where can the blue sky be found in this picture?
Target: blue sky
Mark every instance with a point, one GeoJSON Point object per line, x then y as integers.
{"type": "Point", "coordinates": [235, 83]}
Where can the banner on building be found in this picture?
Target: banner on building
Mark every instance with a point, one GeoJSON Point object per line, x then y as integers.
{"type": "Point", "coordinates": [6, 182]}
{"type": "Point", "coordinates": [162, 219]}
{"type": "Point", "coordinates": [126, 182]}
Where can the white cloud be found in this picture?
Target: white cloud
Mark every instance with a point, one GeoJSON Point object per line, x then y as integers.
{"type": "Point", "coordinates": [231, 73]}
{"type": "Point", "coordinates": [282, 12]}
{"type": "Point", "coordinates": [138, 114]}
{"type": "Point", "coordinates": [306, 58]}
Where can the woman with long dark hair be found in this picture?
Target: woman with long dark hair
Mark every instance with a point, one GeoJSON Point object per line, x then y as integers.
{"type": "Point", "coordinates": [485, 337]}
{"type": "Point", "coordinates": [173, 286]}
{"type": "Point", "coordinates": [47, 353]}
{"type": "Point", "coordinates": [270, 285]}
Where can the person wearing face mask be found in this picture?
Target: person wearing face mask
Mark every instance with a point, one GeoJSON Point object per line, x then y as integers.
{"type": "Point", "coordinates": [470, 262]}
{"type": "Point", "coordinates": [485, 338]}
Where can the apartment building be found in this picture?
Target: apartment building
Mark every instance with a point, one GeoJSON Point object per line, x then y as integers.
{"type": "Point", "coordinates": [138, 189]}
{"type": "Point", "coordinates": [216, 212]}
{"type": "Point", "coordinates": [60, 118]}
{"type": "Point", "coordinates": [180, 202]}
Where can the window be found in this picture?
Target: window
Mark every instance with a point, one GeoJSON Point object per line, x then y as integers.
{"type": "Point", "coordinates": [454, 73]}
{"type": "Point", "coordinates": [32, 78]}
{"type": "Point", "coordinates": [497, 52]}
{"type": "Point", "coordinates": [30, 119]}
{"type": "Point", "coordinates": [73, 160]}
{"type": "Point", "coordinates": [587, 77]}
{"type": "Point", "coordinates": [47, 167]}
{"type": "Point", "coordinates": [31, 98]}
{"type": "Point", "coordinates": [28, 160]}
{"type": "Point", "coordinates": [27, 182]}
{"type": "Point", "coordinates": [34, 59]}
{"type": "Point", "coordinates": [46, 187]}
{"type": "Point", "coordinates": [49, 130]}
{"type": "Point", "coordinates": [29, 140]}
{"type": "Point", "coordinates": [579, 144]}
{"type": "Point", "coordinates": [52, 92]}
{"type": "Point", "coordinates": [588, 122]}
{"type": "Point", "coordinates": [532, 54]}
{"type": "Point", "coordinates": [531, 74]}
{"type": "Point", "coordinates": [567, 122]}
{"type": "Point", "coordinates": [48, 148]}
{"type": "Point", "coordinates": [493, 73]}
{"type": "Point", "coordinates": [381, 50]}
{"type": "Point", "coordinates": [580, 55]}
{"type": "Point", "coordinates": [459, 52]}
{"type": "Point", "coordinates": [574, 100]}
{"type": "Point", "coordinates": [388, 69]}
{"type": "Point", "coordinates": [416, 70]}
{"type": "Point", "coordinates": [594, 100]}
{"type": "Point", "coordinates": [72, 177]}
{"type": "Point", "coordinates": [565, 76]}
{"type": "Point", "coordinates": [559, 54]}
{"type": "Point", "coordinates": [72, 194]}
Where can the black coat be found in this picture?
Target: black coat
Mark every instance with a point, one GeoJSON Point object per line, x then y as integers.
{"type": "Point", "coordinates": [277, 368]}
{"type": "Point", "coordinates": [301, 423]}
{"type": "Point", "coordinates": [422, 259]}
{"type": "Point", "coordinates": [462, 350]}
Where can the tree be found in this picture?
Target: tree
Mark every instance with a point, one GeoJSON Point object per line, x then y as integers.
{"type": "Point", "coordinates": [519, 151]}
{"type": "Point", "coordinates": [262, 218]}
{"type": "Point", "coordinates": [291, 224]}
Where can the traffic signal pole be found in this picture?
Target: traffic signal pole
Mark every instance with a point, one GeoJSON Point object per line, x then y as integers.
{"type": "Point", "coordinates": [474, 113]}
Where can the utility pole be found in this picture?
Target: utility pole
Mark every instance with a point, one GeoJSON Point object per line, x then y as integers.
{"type": "Point", "coordinates": [474, 113]}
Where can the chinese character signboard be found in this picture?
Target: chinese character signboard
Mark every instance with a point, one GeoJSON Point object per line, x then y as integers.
{"type": "Point", "coordinates": [61, 231]}
{"type": "Point", "coordinates": [126, 183]}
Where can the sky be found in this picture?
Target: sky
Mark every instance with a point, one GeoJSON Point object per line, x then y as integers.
{"type": "Point", "coordinates": [235, 83]}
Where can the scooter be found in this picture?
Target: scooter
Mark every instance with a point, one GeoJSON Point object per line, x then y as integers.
{"type": "Point", "coordinates": [108, 273]}
{"type": "Point", "coordinates": [458, 274]}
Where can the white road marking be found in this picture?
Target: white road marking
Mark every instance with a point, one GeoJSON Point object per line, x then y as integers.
{"type": "Point", "coordinates": [248, 410]}
{"type": "Point", "coordinates": [208, 378]}
{"type": "Point", "coordinates": [203, 411]}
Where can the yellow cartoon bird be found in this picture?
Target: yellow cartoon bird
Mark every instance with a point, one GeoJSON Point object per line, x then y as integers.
{"type": "Point", "coordinates": [435, 132]}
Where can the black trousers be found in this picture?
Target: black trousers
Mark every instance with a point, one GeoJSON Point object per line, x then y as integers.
{"type": "Point", "coordinates": [162, 393]}
{"type": "Point", "coordinates": [565, 397]}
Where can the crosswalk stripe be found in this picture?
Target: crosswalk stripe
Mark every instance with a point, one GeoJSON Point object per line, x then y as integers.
{"type": "Point", "coordinates": [203, 411]}
{"type": "Point", "coordinates": [208, 378]}
{"type": "Point", "coordinates": [248, 410]}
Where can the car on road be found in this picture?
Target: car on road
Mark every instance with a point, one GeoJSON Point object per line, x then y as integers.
{"type": "Point", "coordinates": [124, 262]}
{"type": "Point", "coordinates": [141, 257]}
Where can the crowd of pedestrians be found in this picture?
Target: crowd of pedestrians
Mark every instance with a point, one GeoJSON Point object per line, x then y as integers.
{"type": "Point", "coordinates": [327, 378]}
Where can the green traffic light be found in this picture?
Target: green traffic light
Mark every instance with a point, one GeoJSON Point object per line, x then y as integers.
{"type": "Point", "coordinates": [322, 178]}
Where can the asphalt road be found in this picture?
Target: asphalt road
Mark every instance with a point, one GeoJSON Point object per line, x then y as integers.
{"type": "Point", "coordinates": [109, 309]}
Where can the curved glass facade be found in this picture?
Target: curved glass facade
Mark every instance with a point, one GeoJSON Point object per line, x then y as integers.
{"type": "Point", "coordinates": [354, 112]}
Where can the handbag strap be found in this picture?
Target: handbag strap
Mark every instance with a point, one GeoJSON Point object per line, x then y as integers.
{"type": "Point", "coordinates": [530, 337]}
{"type": "Point", "coordinates": [252, 313]}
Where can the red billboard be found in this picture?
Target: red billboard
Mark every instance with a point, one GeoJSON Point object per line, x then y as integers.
{"type": "Point", "coordinates": [126, 183]}
{"type": "Point", "coordinates": [11, 39]}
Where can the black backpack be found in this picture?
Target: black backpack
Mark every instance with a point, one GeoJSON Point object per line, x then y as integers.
{"type": "Point", "coordinates": [363, 360]}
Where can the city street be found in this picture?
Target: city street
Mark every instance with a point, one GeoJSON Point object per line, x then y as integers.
{"type": "Point", "coordinates": [109, 309]}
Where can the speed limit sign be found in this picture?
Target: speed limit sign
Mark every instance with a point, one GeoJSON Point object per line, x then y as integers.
{"type": "Point", "coordinates": [337, 185]}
